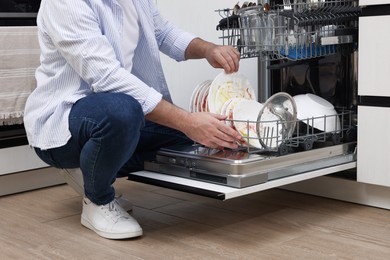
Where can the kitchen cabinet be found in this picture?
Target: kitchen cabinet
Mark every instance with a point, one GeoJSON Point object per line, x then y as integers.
{"type": "Point", "coordinates": [374, 145]}
{"type": "Point", "coordinates": [19, 158]}
{"type": "Point", "coordinates": [373, 2]}
{"type": "Point", "coordinates": [373, 176]}
{"type": "Point", "coordinates": [374, 92]}
{"type": "Point", "coordinates": [374, 59]}
{"type": "Point", "coordinates": [22, 170]}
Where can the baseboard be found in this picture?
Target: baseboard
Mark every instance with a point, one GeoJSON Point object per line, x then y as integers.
{"type": "Point", "coordinates": [29, 180]}
{"type": "Point", "coordinates": [344, 189]}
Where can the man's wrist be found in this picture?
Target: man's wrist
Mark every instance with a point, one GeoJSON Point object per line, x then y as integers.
{"type": "Point", "coordinates": [198, 48]}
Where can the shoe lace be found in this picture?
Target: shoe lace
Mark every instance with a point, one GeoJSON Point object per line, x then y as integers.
{"type": "Point", "coordinates": [114, 210]}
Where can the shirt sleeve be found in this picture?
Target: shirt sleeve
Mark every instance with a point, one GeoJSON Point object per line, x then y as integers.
{"type": "Point", "coordinates": [77, 35]}
{"type": "Point", "coordinates": [172, 40]}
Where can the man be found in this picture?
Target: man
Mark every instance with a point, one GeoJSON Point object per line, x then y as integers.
{"type": "Point", "coordinates": [102, 103]}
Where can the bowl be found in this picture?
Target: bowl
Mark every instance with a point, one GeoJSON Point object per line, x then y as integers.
{"type": "Point", "coordinates": [317, 112]}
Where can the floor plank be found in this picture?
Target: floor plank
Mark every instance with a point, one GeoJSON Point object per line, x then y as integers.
{"type": "Point", "coordinates": [274, 224]}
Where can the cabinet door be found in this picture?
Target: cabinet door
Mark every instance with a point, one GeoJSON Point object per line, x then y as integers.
{"type": "Point", "coordinates": [374, 56]}
{"type": "Point", "coordinates": [19, 158]}
{"type": "Point", "coordinates": [373, 154]}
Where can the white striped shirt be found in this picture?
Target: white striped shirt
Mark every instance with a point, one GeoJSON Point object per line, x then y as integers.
{"type": "Point", "coordinates": [81, 53]}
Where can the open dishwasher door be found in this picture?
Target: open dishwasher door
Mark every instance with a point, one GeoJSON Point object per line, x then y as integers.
{"type": "Point", "coordinates": [188, 170]}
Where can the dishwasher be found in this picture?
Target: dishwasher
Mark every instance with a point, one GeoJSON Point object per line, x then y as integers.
{"type": "Point", "coordinates": [302, 47]}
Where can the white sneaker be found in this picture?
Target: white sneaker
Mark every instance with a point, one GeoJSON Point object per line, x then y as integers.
{"type": "Point", "coordinates": [110, 220]}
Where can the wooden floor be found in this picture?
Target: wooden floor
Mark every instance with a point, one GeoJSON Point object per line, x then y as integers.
{"type": "Point", "coordinates": [274, 224]}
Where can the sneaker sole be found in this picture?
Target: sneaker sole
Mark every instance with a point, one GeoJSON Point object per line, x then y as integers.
{"type": "Point", "coordinates": [123, 235]}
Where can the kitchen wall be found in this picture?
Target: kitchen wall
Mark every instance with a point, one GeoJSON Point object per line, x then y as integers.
{"type": "Point", "coordinates": [200, 18]}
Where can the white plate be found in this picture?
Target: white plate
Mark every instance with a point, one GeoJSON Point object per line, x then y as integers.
{"type": "Point", "coordinates": [225, 107]}
{"type": "Point", "coordinates": [245, 115]}
{"type": "Point", "coordinates": [203, 96]}
{"type": "Point", "coordinates": [227, 86]}
{"type": "Point", "coordinates": [228, 111]}
{"type": "Point", "coordinates": [194, 97]}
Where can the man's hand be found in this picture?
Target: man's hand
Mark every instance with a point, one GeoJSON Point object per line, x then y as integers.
{"type": "Point", "coordinates": [226, 57]}
{"type": "Point", "coordinates": [210, 130]}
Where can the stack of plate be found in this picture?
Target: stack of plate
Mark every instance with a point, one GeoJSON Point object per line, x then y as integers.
{"type": "Point", "coordinates": [210, 96]}
{"type": "Point", "coordinates": [198, 102]}
{"type": "Point", "coordinates": [231, 95]}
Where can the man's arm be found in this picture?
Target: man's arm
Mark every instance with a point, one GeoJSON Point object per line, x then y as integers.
{"type": "Point", "coordinates": [205, 128]}
{"type": "Point", "coordinates": [226, 57]}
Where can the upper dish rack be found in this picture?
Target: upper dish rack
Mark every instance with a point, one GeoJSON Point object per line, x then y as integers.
{"type": "Point", "coordinates": [300, 30]}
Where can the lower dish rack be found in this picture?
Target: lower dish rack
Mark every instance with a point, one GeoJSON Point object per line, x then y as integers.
{"type": "Point", "coordinates": [305, 136]}
{"type": "Point", "coordinates": [294, 31]}
{"type": "Point", "coordinates": [306, 150]}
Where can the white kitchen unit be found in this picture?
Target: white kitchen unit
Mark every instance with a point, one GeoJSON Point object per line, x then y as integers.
{"type": "Point", "coordinates": [374, 89]}
{"type": "Point", "coordinates": [373, 2]}
{"type": "Point", "coordinates": [374, 59]}
{"type": "Point", "coordinates": [22, 170]}
{"type": "Point", "coordinates": [373, 175]}
{"type": "Point", "coordinates": [373, 146]}
{"type": "Point", "coordinates": [19, 158]}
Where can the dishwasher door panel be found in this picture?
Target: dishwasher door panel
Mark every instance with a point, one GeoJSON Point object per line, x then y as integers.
{"type": "Point", "coordinates": [222, 192]}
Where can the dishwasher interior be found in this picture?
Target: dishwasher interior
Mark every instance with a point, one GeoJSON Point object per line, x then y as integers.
{"type": "Point", "coordinates": [303, 47]}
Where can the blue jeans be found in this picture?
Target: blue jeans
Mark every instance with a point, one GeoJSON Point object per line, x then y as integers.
{"type": "Point", "coordinates": [110, 138]}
